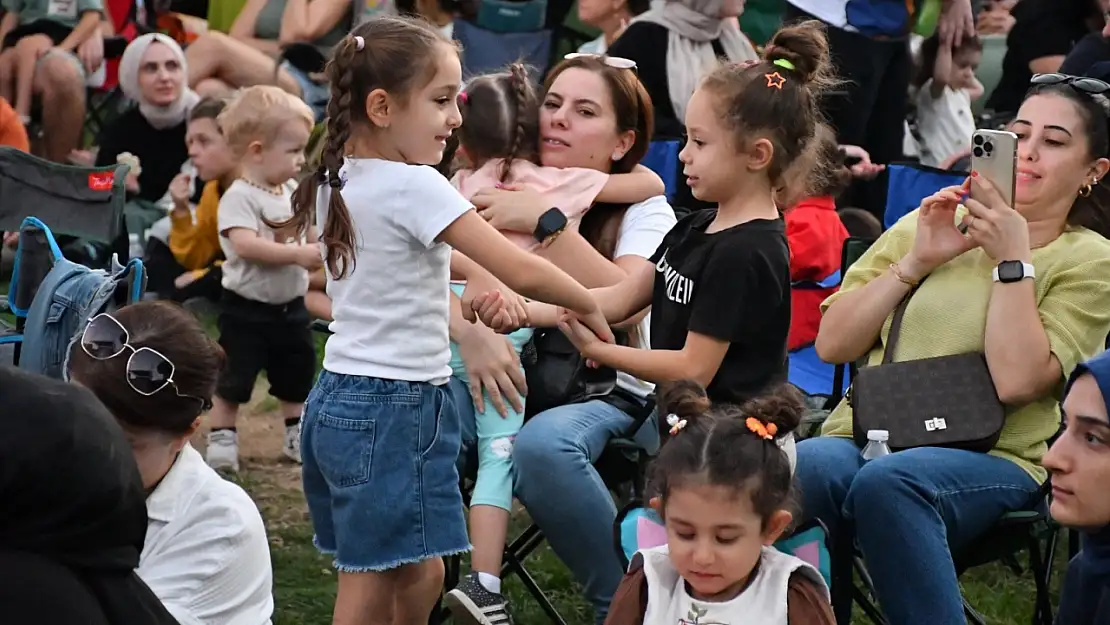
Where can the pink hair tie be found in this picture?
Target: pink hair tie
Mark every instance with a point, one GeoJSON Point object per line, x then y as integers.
{"type": "Point", "coordinates": [463, 97]}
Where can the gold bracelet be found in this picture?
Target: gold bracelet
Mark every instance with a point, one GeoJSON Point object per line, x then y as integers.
{"type": "Point", "coordinates": [550, 239]}
{"type": "Point", "coordinates": [894, 269]}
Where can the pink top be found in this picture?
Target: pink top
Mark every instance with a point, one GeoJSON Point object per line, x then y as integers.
{"type": "Point", "coordinates": [573, 189]}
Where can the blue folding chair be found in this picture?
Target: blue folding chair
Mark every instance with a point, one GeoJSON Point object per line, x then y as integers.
{"type": "Point", "coordinates": [38, 260]}
{"type": "Point", "coordinates": [806, 369]}
{"type": "Point", "coordinates": [662, 158]}
{"type": "Point", "coordinates": [909, 183]}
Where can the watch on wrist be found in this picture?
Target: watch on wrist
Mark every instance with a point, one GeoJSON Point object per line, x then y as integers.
{"type": "Point", "coordinates": [552, 222]}
{"type": "Point", "coordinates": [1009, 271]}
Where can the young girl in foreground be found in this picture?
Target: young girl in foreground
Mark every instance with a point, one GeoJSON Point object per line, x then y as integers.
{"type": "Point", "coordinates": [720, 289]}
{"type": "Point", "coordinates": [724, 491]}
{"type": "Point", "coordinates": [499, 144]}
{"type": "Point", "coordinates": [380, 435]}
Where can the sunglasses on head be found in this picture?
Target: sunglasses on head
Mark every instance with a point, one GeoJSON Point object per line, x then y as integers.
{"type": "Point", "coordinates": [148, 371]}
{"type": "Point", "coordinates": [616, 62]}
{"type": "Point", "coordinates": [1090, 86]}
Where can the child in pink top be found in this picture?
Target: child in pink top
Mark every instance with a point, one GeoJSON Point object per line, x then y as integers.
{"type": "Point", "coordinates": [499, 143]}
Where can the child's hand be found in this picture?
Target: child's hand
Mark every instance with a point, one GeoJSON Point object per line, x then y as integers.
{"type": "Point", "coordinates": [514, 304]}
{"type": "Point", "coordinates": [508, 208]}
{"type": "Point", "coordinates": [180, 191]}
{"type": "Point", "coordinates": [308, 256]}
{"type": "Point", "coordinates": [583, 339]}
{"type": "Point", "coordinates": [497, 313]}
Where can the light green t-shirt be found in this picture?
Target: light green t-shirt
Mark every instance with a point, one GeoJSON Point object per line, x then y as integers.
{"type": "Point", "coordinates": [65, 12]}
{"type": "Point", "coordinates": [268, 26]}
{"type": "Point", "coordinates": [946, 316]}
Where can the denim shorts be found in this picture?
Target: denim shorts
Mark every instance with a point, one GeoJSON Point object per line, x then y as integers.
{"type": "Point", "coordinates": [379, 471]}
{"type": "Point", "coordinates": [314, 94]}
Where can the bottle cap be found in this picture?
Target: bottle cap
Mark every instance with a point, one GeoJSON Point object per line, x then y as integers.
{"type": "Point", "coordinates": [879, 436]}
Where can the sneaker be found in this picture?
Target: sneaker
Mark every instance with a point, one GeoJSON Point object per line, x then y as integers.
{"type": "Point", "coordinates": [472, 604]}
{"type": "Point", "coordinates": [223, 450]}
{"type": "Point", "coordinates": [292, 446]}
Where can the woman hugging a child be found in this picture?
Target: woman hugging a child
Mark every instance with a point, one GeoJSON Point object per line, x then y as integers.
{"type": "Point", "coordinates": [498, 143]}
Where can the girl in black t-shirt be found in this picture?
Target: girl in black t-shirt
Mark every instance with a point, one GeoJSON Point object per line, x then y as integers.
{"type": "Point", "coordinates": [720, 289]}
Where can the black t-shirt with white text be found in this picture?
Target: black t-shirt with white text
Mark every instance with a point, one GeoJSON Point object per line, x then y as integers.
{"type": "Point", "coordinates": [732, 285]}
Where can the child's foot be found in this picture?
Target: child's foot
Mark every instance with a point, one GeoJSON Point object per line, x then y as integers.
{"type": "Point", "coordinates": [473, 604]}
{"type": "Point", "coordinates": [223, 450]}
{"type": "Point", "coordinates": [292, 446]}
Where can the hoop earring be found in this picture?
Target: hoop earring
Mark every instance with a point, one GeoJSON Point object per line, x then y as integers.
{"type": "Point", "coordinates": [1085, 190]}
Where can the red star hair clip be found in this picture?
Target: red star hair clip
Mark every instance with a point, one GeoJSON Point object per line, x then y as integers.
{"type": "Point", "coordinates": [775, 80]}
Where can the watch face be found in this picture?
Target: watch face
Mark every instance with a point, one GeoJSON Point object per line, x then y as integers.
{"type": "Point", "coordinates": [1010, 271]}
{"type": "Point", "coordinates": [552, 221]}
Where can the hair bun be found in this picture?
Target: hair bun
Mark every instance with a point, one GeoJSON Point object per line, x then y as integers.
{"type": "Point", "coordinates": [782, 406]}
{"type": "Point", "coordinates": [685, 399]}
{"type": "Point", "coordinates": [804, 46]}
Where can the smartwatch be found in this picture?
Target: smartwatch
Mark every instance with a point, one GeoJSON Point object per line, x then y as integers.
{"type": "Point", "coordinates": [1012, 271]}
{"type": "Point", "coordinates": [552, 222]}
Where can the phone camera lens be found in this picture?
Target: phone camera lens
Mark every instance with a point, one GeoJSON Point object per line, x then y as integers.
{"type": "Point", "coordinates": [988, 146]}
{"type": "Point", "coordinates": [977, 151]}
{"type": "Point", "coordinates": [977, 139]}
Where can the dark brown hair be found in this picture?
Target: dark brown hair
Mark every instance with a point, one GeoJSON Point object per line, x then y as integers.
{"type": "Point", "coordinates": [173, 332]}
{"type": "Point", "coordinates": [208, 108]}
{"type": "Point", "coordinates": [927, 57]}
{"type": "Point", "coordinates": [501, 119]}
{"type": "Point", "coordinates": [634, 112]}
{"type": "Point", "coordinates": [752, 106]}
{"type": "Point", "coordinates": [399, 57]}
{"type": "Point", "coordinates": [717, 447]}
{"type": "Point", "coordinates": [1090, 211]}
{"type": "Point", "coordinates": [830, 175]}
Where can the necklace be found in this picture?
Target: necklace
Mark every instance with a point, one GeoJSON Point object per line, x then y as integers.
{"type": "Point", "coordinates": [271, 190]}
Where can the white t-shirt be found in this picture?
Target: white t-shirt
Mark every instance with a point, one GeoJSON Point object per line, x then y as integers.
{"type": "Point", "coordinates": [944, 124]}
{"type": "Point", "coordinates": [763, 602]}
{"type": "Point", "coordinates": [640, 234]}
{"type": "Point", "coordinates": [244, 205]}
{"type": "Point", "coordinates": [206, 556]}
{"type": "Point", "coordinates": [391, 311]}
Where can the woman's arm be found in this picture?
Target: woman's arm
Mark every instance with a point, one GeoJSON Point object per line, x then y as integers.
{"type": "Point", "coordinates": [640, 185]}
{"type": "Point", "coordinates": [243, 27]}
{"type": "Point", "coordinates": [1018, 353]}
{"type": "Point", "coordinates": [308, 21]}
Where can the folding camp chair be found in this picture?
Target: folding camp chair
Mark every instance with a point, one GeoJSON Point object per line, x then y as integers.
{"type": "Point", "coordinates": [909, 183]}
{"type": "Point", "coordinates": [662, 158]}
{"type": "Point", "coordinates": [37, 259]}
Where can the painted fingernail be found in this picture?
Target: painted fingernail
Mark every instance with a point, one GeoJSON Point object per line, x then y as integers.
{"type": "Point", "coordinates": [974, 174]}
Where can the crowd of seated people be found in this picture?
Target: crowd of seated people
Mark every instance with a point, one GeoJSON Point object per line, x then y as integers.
{"type": "Point", "coordinates": [578, 138]}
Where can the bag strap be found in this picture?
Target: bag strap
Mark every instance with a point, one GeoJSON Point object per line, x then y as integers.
{"type": "Point", "coordinates": [896, 325]}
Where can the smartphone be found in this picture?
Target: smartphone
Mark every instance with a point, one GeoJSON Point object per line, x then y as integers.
{"type": "Point", "coordinates": [994, 156]}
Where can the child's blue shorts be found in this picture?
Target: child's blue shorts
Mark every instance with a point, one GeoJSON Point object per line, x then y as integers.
{"type": "Point", "coordinates": [380, 471]}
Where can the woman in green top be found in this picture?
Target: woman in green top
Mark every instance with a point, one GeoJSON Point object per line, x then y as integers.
{"type": "Point", "coordinates": [916, 506]}
{"type": "Point", "coordinates": [219, 63]}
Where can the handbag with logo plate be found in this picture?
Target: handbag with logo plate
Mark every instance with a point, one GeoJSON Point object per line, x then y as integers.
{"type": "Point", "coordinates": [948, 401]}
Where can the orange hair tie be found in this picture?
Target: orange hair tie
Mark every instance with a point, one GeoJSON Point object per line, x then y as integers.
{"type": "Point", "coordinates": [764, 431]}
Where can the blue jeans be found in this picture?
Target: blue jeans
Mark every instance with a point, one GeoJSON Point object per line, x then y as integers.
{"type": "Point", "coordinates": [910, 510]}
{"type": "Point", "coordinates": [553, 457]}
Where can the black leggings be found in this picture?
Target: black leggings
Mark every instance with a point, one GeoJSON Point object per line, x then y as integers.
{"type": "Point", "coordinates": [869, 110]}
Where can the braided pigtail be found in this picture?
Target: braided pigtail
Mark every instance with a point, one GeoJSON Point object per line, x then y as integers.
{"type": "Point", "coordinates": [518, 91]}
{"type": "Point", "coordinates": [337, 231]}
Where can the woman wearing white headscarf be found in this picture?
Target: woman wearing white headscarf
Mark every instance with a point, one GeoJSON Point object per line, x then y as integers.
{"type": "Point", "coordinates": [674, 45]}
{"type": "Point", "coordinates": [150, 137]}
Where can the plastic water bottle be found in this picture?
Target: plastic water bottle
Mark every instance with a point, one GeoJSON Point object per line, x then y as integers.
{"type": "Point", "coordinates": [876, 445]}
{"type": "Point", "coordinates": [135, 246]}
